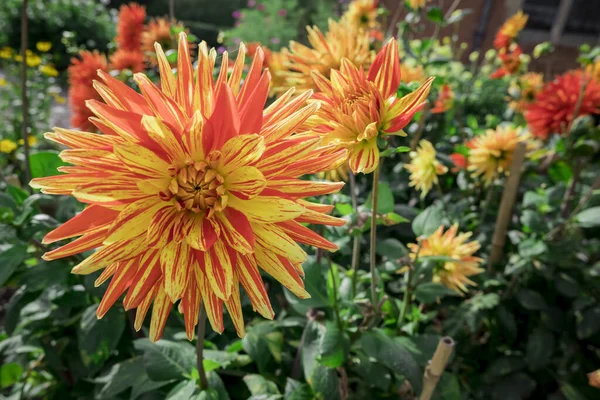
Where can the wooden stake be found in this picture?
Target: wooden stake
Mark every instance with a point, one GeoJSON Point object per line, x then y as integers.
{"type": "Point", "coordinates": [436, 367]}
{"type": "Point", "coordinates": [509, 196]}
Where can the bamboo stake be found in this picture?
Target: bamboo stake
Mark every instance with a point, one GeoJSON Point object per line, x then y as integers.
{"type": "Point", "coordinates": [509, 196]}
{"type": "Point", "coordinates": [436, 367]}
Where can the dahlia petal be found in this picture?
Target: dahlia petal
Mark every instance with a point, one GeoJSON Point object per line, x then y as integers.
{"type": "Point", "coordinates": [245, 182]}
{"type": "Point", "coordinates": [277, 241]}
{"type": "Point", "coordinates": [132, 100]}
{"type": "Point", "coordinates": [280, 154]}
{"type": "Point", "coordinates": [81, 140]}
{"type": "Point", "coordinates": [142, 309]}
{"type": "Point", "coordinates": [192, 136]}
{"type": "Point", "coordinates": [106, 274]}
{"type": "Point", "coordinates": [265, 209]}
{"type": "Point", "coordinates": [190, 307]}
{"type": "Point", "coordinates": [282, 107]}
{"type": "Point", "coordinates": [251, 114]}
{"type": "Point", "coordinates": [317, 218]}
{"type": "Point", "coordinates": [253, 76]}
{"type": "Point", "coordinates": [109, 193]}
{"type": "Point", "coordinates": [302, 234]}
{"type": "Point", "coordinates": [286, 126]}
{"type": "Point", "coordinates": [303, 188]}
{"type": "Point", "coordinates": [162, 106]}
{"type": "Point", "coordinates": [364, 157]}
{"type": "Point", "coordinates": [90, 219]}
{"type": "Point", "coordinates": [86, 242]}
{"type": "Point", "coordinates": [318, 161]}
{"type": "Point", "coordinates": [203, 92]}
{"type": "Point", "coordinates": [108, 254]}
{"type": "Point", "coordinates": [120, 281]}
{"type": "Point", "coordinates": [385, 70]}
{"type": "Point", "coordinates": [160, 313]}
{"type": "Point", "coordinates": [126, 124]}
{"type": "Point", "coordinates": [249, 276]}
{"type": "Point", "coordinates": [238, 68]}
{"type": "Point", "coordinates": [201, 234]}
{"type": "Point", "coordinates": [185, 75]}
{"type": "Point", "coordinates": [224, 123]}
{"type": "Point", "coordinates": [236, 230]}
{"type": "Point", "coordinates": [405, 108]}
{"type": "Point", "coordinates": [282, 271]}
{"type": "Point", "coordinates": [175, 262]}
{"type": "Point", "coordinates": [148, 273]}
{"type": "Point", "coordinates": [167, 78]}
{"type": "Point", "coordinates": [234, 307]}
{"type": "Point", "coordinates": [159, 228]}
{"type": "Point", "coordinates": [318, 207]}
{"type": "Point", "coordinates": [134, 219]}
{"type": "Point", "coordinates": [223, 70]}
{"type": "Point", "coordinates": [94, 160]}
{"type": "Point", "coordinates": [162, 135]}
{"type": "Point", "coordinates": [212, 304]}
{"type": "Point", "coordinates": [142, 161]}
{"type": "Point", "coordinates": [218, 269]}
{"type": "Point", "coordinates": [240, 151]}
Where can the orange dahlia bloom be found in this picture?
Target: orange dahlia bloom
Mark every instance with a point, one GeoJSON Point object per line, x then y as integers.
{"type": "Point", "coordinates": [452, 274]}
{"type": "Point", "coordinates": [130, 27]}
{"type": "Point", "coordinates": [358, 107]}
{"type": "Point", "coordinates": [193, 190]}
{"type": "Point", "coordinates": [81, 77]}
{"type": "Point", "coordinates": [342, 40]}
{"type": "Point", "coordinates": [445, 100]}
{"type": "Point", "coordinates": [362, 13]}
{"type": "Point", "coordinates": [126, 59]}
{"type": "Point", "coordinates": [412, 73]}
{"type": "Point", "coordinates": [163, 32]}
{"type": "Point", "coordinates": [510, 30]}
{"type": "Point", "coordinates": [555, 106]}
{"type": "Point", "coordinates": [460, 161]}
{"type": "Point", "coordinates": [525, 89]}
{"type": "Point", "coordinates": [491, 153]}
{"type": "Point", "coordinates": [416, 4]}
{"type": "Point", "coordinates": [511, 62]}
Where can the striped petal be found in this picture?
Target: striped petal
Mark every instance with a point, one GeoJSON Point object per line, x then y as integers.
{"type": "Point", "coordinates": [245, 182]}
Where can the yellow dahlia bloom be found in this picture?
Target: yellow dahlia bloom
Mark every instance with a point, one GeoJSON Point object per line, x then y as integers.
{"type": "Point", "coordinates": [362, 13]}
{"type": "Point", "coordinates": [452, 274]}
{"type": "Point", "coordinates": [342, 40]}
{"type": "Point", "coordinates": [412, 73]}
{"type": "Point", "coordinates": [359, 107]}
{"type": "Point", "coordinates": [492, 152]}
{"type": "Point", "coordinates": [424, 168]}
{"type": "Point", "coordinates": [192, 190]}
{"type": "Point", "coordinates": [44, 47]}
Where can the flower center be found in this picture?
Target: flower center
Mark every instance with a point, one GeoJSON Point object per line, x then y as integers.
{"type": "Point", "coordinates": [198, 188]}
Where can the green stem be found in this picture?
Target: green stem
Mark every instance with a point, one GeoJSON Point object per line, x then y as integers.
{"type": "Point", "coordinates": [373, 255]}
{"type": "Point", "coordinates": [336, 308]}
{"type": "Point", "coordinates": [409, 288]}
{"type": "Point", "coordinates": [356, 242]}
{"type": "Point", "coordinates": [203, 381]}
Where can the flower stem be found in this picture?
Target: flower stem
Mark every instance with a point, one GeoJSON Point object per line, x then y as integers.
{"type": "Point", "coordinates": [373, 259]}
{"type": "Point", "coordinates": [356, 242]}
{"type": "Point", "coordinates": [409, 287]}
{"type": "Point", "coordinates": [336, 308]}
{"type": "Point", "coordinates": [203, 381]}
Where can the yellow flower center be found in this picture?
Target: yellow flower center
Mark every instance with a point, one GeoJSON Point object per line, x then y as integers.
{"type": "Point", "coordinates": [198, 188]}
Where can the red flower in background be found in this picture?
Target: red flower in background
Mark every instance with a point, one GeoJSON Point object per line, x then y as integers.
{"type": "Point", "coordinates": [511, 62]}
{"type": "Point", "coordinates": [130, 27]}
{"type": "Point", "coordinates": [127, 59]}
{"type": "Point", "coordinates": [445, 100]}
{"type": "Point", "coordinates": [82, 73]}
{"type": "Point", "coordinates": [460, 161]}
{"type": "Point", "coordinates": [555, 106]}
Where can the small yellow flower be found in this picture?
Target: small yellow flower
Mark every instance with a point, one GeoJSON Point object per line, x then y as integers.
{"type": "Point", "coordinates": [416, 4]}
{"type": "Point", "coordinates": [452, 274]}
{"type": "Point", "coordinates": [424, 168]}
{"type": "Point", "coordinates": [18, 58]}
{"type": "Point", "coordinates": [33, 60]}
{"type": "Point", "coordinates": [32, 140]}
{"type": "Point", "coordinates": [43, 46]}
{"type": "Point", "coordinates": [7, 146]}
{"type": "Point", "coordinates": [3, 82]}
{"type": "Point", "coordinates": [492, 152]}
{"type": "Point", "coordinates": [362, 13]}
{"type": "Point", "coordinates": [59, 99]}
{"type": "Point", "coordinates": [6, 53]}
{"type": "Point", "coordinates": [48, 70]}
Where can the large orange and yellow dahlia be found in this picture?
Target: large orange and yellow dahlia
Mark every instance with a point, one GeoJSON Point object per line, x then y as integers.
{"type": "Point", "coordinates": [192, 190]}
{"type": "Point", "coordinates": [130, 27]}
{"type": "Point", "coordinates": [556, 105]}
{"type": "Point", "coordinates": [82, 72]}
{"type": "Point", "coordinates": [359, 107]}
{"type": "Point", "coordinates": [343, 40]}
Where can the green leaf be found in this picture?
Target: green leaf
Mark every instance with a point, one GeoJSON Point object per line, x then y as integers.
{"type": "Point", "coordinates": [10, 374]}
{"type": "Point", "coordinates": [428, 221]}
{"type": "Point", "coordinates": [18, 194]}
{"type": "Point", "coordinates": [11, 256]}
{"type": "Point", "coordinates": [540, 346]}
{"type": "Point", "coordinates": [45, 163]}
{"type": "Point", "coordinates": [588, 323]}
{"type": "Point", "coordinates": [503, 366]}
{"type": "Point", "coordinates": [344, 208]}
{"type": "Point", "coordinates": [448, 388]}
{"type": "Point", "coordinates": [166, 360]}
{"type": "Point", "coordinates": [263, 343]}
{"type": "Point", "coordinates": [531, 300]}
{"type": "Point", "coordinates": [390, 219]}
{"type": "Point", "coordinates": [429, 292]}
{"type": "Point", "coordinates": [97, 338]}
{"type": "Point", "coordinates": [182, 391]}
{"type": "Point", "coordinates": [532, 247]}
{"type": "Point", "coordinates": [259, 385]}
{"type": "Point", "coordinates": [295, 390]}
{"type": "Point", "coordinates": [325, 383]}
{"type": "Point", "coordinates": [385, 199]}
{"type": "Point", "coordinates": [560, 172]}
{"type": "Point", "coordinates": [570, 392]}
{"type": "Point", "coordinates": [567, 286]}
{"type": "Point", "coordinates": [315, 284]}
{"type": "Point", "coordinates": [391, 248]}
{"type": "Point", "coordinates": [588, 218]}
{"type": "Point", "coordinates": [458, 15]}
{"type": "Point", "coordinates": [311, 347]}
{"type": "Point", "coordinates": [435, 15]}
{"type": "Point", "coordinates": [393, 150]}
{"type": "Point", "coordinates": [393, 355]}
{"type": "Point", "coordinates": [332, 352]}
{"type": "Point", "coordinates": [120, 377]}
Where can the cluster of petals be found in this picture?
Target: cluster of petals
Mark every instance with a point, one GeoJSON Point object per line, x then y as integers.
{"type": "Point", "coordinates": [444, 101]}
{"type": "Point", "coordinates": [452, 274]}
{"type": "Point", "coordinates": [559, 103]}
{"type": "Point", "coordinates": [192, 190]}
{"type": "Point", "coordinates": [510, 30]}
{"type": "Point", "coordinates": [358, 107]}
{"type": "Point", "coordinates": [160, 30]}
{"type": "Point", "coordinates": [82, 72]}
{"type": "Point", "coordinates": [130, 27]}
{"type": "Point", "coordinates": [424, 168]}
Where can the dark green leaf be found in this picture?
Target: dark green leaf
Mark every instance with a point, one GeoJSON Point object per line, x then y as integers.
{"type": "Point", "coordinates": [120, 377]}
{"type": "Point", "coordinates": [570, 392]}
{"type": "Point", "coordinates": [182, 391]}
{"type": "Point", "coordinates": [263, 344]}
{"type": "Point", "coordinates": [325, 383]}
{"type": "Point", "coordinates": [435, 15]}
{"type": "Point", "coordinates": [11, 256]}
{"type": "Point", "coordinates": [295, 390]}
{"type": "Point", "coordinates": [45, 163]}
{"type": "Point", "coordinates": [391, 248]}
{"type": "Point", "coordinates": [315, 284]}
{"type": "Point", "coordinates": [560, 172]}
{"type": "Point", "coordinates": [429, 292]}
{"type": "Point", "coordinates": [531, 248]}
{"type": "Point", "coordinates": [448, 388]}
{"type": "Point", "coordinates": [332, 352]}
{"type": "Point", "coordinates": [259, 385]}
{"type": "Point", "coordinates": [540, 346]}
{"type": "Point", "coordinates": [567, 286]}
{"type": "Point", "coordinates": [428, 221]}
{"type": "Point", "coordinates": [531, 300]}
{"type": "Point", "coordinates": [385, 199]}
{"type": "Point", "coordinates": [503, 366]}
{"type": "Point", "coordinates": [588, 323]}
{"type": "Point", "coordinates": [166, 360]}
{"type": "Point", "coordinates": [588, 218]}
{"type": "Point", "coordinates": [97, 338]}
{"type": "Point", "coordinates": [312, 346]}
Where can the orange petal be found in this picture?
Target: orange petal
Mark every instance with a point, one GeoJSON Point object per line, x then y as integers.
{"type": "Point", "coordinates": [175, 262]}
{"type": "Point", "coordinates": [249, 277]}
{"type": "Point", "coordinates": [90, 219]}
{"type": "Point", "coordinates": [160, 313]}
{"type": "Point", "coordinates": [385, 70]}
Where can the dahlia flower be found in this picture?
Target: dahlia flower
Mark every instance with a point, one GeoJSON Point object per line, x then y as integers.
{"type": "Point", "coordinates": [416, 4]}
{"type": "Point", "coordinates": [511, 62]}
{"type": "Point", "coordinates": [342, 41]}
{"type": "Point", "coordinates": [525, 89]}
{"type": "Point", "coordinates": [510, 30]}
{"type": "Point", "coordinates": [161, 31]}
{"type": "Point", "coordinates": [491, 153]}
{"type": "Point", "coordinates": [555, 106]}
{"type": "Point", "coordinates": [192, 190]}
{"type": "Point", "coordinates": [424, 168]}
{"type": "Point", "coordinates": [81, 77]}
{"type": "Point", "coordinates": [445, 100]}
{"type": "Point", "coordinates": [412, 73]}
{"type": "Point", "coordinates": [460, 161]}
{"type": "Point", "coordinates": [362, 13]}
{"type": "Point", "coordinates": [452, 274]}
{"type": "Point", "coordinates": [126, 59]}
{"type": "Point", "coordinates": [358, 107]}
{"type": "Point", "coordinates": [130, 27]}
